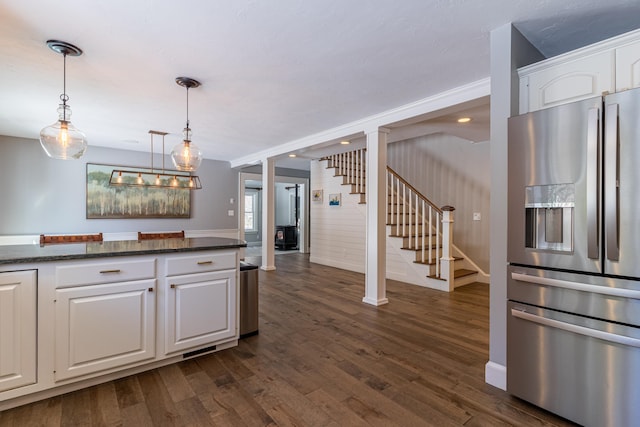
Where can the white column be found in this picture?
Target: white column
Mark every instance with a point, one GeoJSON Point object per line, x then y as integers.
{"type": "Point", "coordinates": [447, 260]}
{"type": "Point", "coordinates": [268, 214]}
{"type": "Point", "coordinates": [375, 292]}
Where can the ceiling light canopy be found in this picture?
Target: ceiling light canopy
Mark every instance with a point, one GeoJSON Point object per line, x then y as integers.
{"type": "Point", "coordinates": [186, 156]}
{"type": "Point", "coordinates": [62, 140]}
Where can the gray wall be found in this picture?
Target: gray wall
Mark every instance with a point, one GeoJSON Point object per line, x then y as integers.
{"type": "Point", "coordinates": [284, 208]}
{"type": "Point", "coordinates": [509, 51]}
{"type": "Point", "coordinates": [451, 171]}
{"type": "Point", "coordinates": [42, 195]}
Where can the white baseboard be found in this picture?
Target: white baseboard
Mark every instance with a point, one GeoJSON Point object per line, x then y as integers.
{"type": "Point", "coordinates": [496, 375]}
{"type": "Point", "coordinates": [376, 302]}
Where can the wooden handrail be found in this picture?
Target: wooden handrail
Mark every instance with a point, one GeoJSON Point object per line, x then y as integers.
{"type": "Point", "coordinates": [412, 188]}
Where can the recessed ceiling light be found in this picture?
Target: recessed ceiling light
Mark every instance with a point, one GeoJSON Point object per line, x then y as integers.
{"type": "Point", "coordinates": [464, 119]}
{"type": "Point", "coordinates": [345, 142]}
{"type": "Point", "coordinates": [292, 155]}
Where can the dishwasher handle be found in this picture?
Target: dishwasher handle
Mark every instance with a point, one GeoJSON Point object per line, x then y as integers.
{"type": "Point", "coordinates": [566, 284]}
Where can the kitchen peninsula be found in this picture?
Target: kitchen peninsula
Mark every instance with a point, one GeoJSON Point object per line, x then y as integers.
{"type": "Point", "coordinates": [75, 315]}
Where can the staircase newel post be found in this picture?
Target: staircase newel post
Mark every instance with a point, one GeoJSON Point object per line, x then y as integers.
{"type": "Point", "coordinates": [446, 262]}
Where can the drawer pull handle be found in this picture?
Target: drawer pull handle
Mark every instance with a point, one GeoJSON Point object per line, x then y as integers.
{"type": "Point", "coordinates": [109, 271]}
{"type": "Point", "coordinates": [150, 289]}
{"type": "Point", "coordinates": [204, 262]}
{"type": "Point", "coordinates": [172, 286]}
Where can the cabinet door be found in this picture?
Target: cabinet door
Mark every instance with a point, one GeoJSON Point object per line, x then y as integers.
{"type": "Point", "coordinates": [201, 309]}
{"type": "Point", "coordinates": [105, 326]}
{"type": "Point", "coordinates": [17, 329]}
{"type": "Point", "coordinates": [571, 81]}
{"type": "Point", "coordinates": [628, 67]}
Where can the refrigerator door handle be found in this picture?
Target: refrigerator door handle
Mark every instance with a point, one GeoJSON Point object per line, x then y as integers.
{"type": "Point", "coordinates": [593, 160]}
{"type": "Point", "coordinates": [566, 284]}
{"type": "Point", "coordinates": [611, 182]}
{"type": "Point", "coordinates": [576, 329]}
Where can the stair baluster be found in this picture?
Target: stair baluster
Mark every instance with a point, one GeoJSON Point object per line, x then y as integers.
{"type": "Point", "coordinates": [425, 228]}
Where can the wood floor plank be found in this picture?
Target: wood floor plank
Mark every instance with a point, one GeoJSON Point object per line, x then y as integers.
{"type": "Point", "coordinates": [160, 406]}
{"type": "Point", "coordinates": [175, 382]}
{"type": "Point", "coordinates": [321, 358]}
{"type": "Point", "coordinates": [105, 410]}
{"type": "Point", "coordinates": [337, 410]}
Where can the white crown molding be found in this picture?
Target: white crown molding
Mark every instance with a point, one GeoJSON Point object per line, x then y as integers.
{"type": "Point", "coordinates": [580, 53]}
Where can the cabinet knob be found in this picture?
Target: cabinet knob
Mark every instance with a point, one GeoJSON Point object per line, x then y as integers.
{"type": "Point", "coordinates": [150, 289]}
{"type": "Point", "coordinates": [172, 286]}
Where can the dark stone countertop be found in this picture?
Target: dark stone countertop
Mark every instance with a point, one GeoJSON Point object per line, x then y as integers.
{"type": "Point", "coordinates": [21, 254]}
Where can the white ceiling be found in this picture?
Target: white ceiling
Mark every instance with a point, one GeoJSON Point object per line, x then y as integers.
{"type": "Point", "coordinates": [271, 71]}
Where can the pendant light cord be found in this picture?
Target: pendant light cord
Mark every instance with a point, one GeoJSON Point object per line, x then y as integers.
{"type": "Point", "coordinates": [64, 97]}
{"type": "Point", "coordinates": [187, 107]}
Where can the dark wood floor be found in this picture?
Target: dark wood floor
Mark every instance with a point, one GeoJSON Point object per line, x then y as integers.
{"type": "Point", "coordinates": [322, 358]}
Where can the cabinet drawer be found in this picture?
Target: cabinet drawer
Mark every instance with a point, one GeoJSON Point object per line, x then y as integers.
{"type": "Point", "coordinates": [211, 261]}
{"type": "Point", "coordinates": [118, 270]}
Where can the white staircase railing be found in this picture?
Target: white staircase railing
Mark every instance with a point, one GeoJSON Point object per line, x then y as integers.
{"type": "Point", "coordinates": [350, 165]}
{"type": "Point", "coordinates": [425, 228]}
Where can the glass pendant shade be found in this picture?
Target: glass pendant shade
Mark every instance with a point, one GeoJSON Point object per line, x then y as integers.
{"type": "Point", "coordinates": [186, 156]}
{"type": "Point", "coordinates": [62, 140]}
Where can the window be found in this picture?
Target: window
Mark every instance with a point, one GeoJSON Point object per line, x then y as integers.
{"type": "Point", "coordinates": [251, 212]}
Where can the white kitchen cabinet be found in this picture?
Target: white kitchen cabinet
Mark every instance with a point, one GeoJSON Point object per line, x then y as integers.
{"type": "Point", "coordinates": [106, 311]}
{"type": "Point", "coordinates": [200, 300]}
{"type": "Point", "coordinates": [579, 78]}
{"type": "Point", "coordinates": [105, 326]}
{"type": "Point", "coordinates": [628, 67]}
{"type": "Point", "coordinates": [609, 66]}
{"type": "Point", "coordinates": [200, 309]}
{"type": "Point", "coordinates": [17, 329]}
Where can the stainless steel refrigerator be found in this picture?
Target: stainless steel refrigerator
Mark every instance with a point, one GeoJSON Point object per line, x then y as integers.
{"type": "Point", "coordinates": [573, 314]}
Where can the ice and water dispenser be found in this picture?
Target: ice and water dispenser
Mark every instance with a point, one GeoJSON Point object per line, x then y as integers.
{"type": "Point", "coordinates": [549, 211]}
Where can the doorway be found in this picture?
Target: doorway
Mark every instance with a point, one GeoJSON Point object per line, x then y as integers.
{"type": "Point", "coordinates": [291, 214]}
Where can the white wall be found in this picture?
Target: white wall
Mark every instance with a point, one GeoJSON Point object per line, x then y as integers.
{"type": "Point", "coordinates": [446, 169]}
{"type": "Point", "coordinates": [337, 233]}
{"type": "Point", "coordinates": [451, 171]}
{"type": "Point", "coordinates": [42, 195]}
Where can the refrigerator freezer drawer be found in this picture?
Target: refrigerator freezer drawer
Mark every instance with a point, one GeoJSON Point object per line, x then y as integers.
{"type": "Point", "coordinates": [579, 368]}
{"type": "Point", "coordinates": [616, 300]}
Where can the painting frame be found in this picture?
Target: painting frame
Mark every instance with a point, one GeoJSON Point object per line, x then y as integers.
{"type": "Point", "coordinates": [316, 195]}
{"type": "Point", "coordinates": [335, 200]}
{"type": "Point", "coordinates": [121, 202]}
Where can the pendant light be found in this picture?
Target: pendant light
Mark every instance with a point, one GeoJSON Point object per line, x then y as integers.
{"type": "Point", "coordinates": [62, 140]}
{"type": "Point", "coordinates": [186, 156]}
{"type": "Point", "coordinates": [154, 178]}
